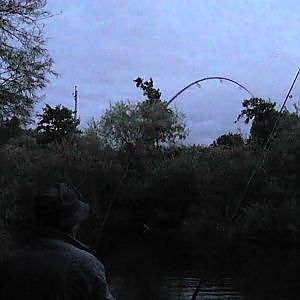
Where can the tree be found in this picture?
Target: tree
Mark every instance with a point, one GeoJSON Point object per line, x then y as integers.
{"type": "Point", "coordinates": [229, 140]}
{"type": "Point", "coordinates": [120, 125]}
{"type": "Point", "coordinates": [160, 123]}
{"type": "Point", "coordinates": [24, 61]}
{"type": "Point", "coordinates": [149, 123]}
{"type": "Point", "coordinates": [148, 89]}
{"type": "Point", "coordinates": [263, 114]}
{"type": "Point", "coordinates": [10, 128]}
{"type": "Point", "coordinates": [55, 124]}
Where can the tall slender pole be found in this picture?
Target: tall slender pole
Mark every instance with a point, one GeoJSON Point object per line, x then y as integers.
{"type": "Point", "coordinates": [75, 102]}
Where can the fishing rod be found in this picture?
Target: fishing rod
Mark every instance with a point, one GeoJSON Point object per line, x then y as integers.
{"type": "Point", "coordinates": [210, 78]}
{"type": "Point", "coordinates": [265, 148]}
{"type": "Point", "coordinates": [264, 151]}
{"type": "Point", "coordinates": [201, 281]}
{"type": "Point", "coordinates": [197, 290]}
{"type": "Point", "coordinates": [267, 143]}
{"type": "Point", "coordinates": [259, 163]}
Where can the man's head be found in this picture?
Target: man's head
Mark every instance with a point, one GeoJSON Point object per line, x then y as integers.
{"type": "Point", "coordinates": [60, 207]}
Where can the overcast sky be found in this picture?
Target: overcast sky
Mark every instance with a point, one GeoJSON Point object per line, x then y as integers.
{"type": "Point", "coordinates": [101, 46]}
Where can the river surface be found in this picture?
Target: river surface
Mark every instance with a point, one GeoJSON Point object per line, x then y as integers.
{"type": "Point", "coordinates": [150, 271]}
{"type": "Point", "coordinates": [179, 286]}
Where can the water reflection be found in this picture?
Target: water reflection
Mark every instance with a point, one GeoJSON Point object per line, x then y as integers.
{"type": "Point", "coordinates": [216, 288]}
{"type": "Point", "coordinates": [138, 271]}
{"type": "Point", "coordinates": [179, 287]}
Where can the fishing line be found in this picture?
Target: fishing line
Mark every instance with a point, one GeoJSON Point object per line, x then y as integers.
{"type": "Point", "coordinates": [99, 233]}
{"type": "Point", "coordinates": [265, 147]}
{"type": "Point", "coordinates": [258, 164]}
{"type": "Point", "coordinates": [264, 151]}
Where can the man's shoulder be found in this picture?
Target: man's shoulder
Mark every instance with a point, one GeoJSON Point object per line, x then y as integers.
{"type": "Point", "coordinates": [78, 257]}
{"type": "Point", "coordinates": [87, 272]}
{"type": "Point", "coordinates": [88, 262]}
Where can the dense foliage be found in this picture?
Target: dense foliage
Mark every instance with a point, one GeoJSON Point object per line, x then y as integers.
{"type": "Point", "coordinates": [194, 189]}
{"type": "Point", "coordinates": [229, 140]}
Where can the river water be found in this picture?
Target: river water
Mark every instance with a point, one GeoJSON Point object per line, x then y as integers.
{"type": "Point", "coordinates": [179, 286]}
{"type": "Point", "coordinates": [142, 271]}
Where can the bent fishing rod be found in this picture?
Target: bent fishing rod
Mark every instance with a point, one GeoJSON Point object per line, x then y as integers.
{"type": "Point", "coordinates": [221, 79]}
{"type": "Point", "coordinates": [265, 147]}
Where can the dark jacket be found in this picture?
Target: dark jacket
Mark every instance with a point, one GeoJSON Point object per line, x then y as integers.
{"type": "Point", "coordinates": [53, 266]}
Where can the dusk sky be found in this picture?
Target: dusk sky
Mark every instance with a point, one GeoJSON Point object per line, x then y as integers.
{"type": "Point", "coordinates": [101, 46]}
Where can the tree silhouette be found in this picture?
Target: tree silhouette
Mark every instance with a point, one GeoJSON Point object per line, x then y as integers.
{"type": "Point", "coordinates": [24, 60]}
{"type": "Point", "coordinates": [229, 140]}
{"type": "Point", "coordinates": [55, 124]}
{"type": "Point", "coordinates": [263, 114]}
